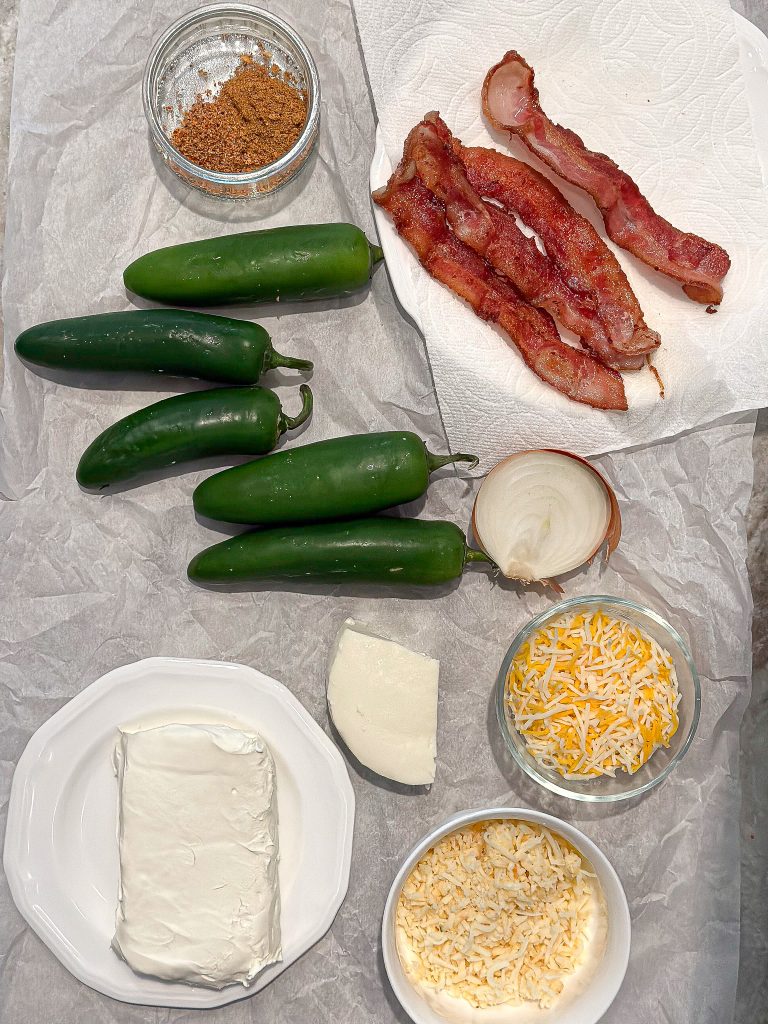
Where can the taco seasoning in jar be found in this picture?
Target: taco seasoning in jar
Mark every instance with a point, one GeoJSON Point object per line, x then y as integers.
{"type": "Point", "coordinates": [231, 94]}
{"type": "Point", "coordinates": [257, 116]}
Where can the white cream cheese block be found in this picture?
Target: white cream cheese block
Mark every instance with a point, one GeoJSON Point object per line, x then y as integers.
{"type": "Point", "coordinates": [383, 700]}
{"type": "Point", "coordinates": [199, 899]}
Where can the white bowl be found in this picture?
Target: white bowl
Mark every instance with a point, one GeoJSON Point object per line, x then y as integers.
{"type": "Point", "coordinates": [589, 1005]}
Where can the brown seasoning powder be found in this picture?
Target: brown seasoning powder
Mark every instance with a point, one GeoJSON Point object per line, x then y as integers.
{"type": "Point", "coordinates": [256, 118]}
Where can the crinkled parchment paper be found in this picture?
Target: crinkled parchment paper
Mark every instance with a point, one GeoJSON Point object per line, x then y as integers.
{"type": "Point", "coordinates": [89, 582]}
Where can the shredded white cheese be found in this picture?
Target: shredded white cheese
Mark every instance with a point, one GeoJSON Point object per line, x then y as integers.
{"type": "Point", "coordinates": [497, 912]}
{"type": "Point", "coordinates": [593, 694]}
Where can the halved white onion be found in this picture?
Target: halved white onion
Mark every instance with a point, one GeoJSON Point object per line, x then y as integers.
{"type": "Point", "coordinates": [540, 514]}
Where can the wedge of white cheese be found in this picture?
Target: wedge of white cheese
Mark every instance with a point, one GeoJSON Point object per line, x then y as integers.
{"type": "Point", "coordinates": [383, 700]}
{"type": "Point", "coordinates": [199, 900]}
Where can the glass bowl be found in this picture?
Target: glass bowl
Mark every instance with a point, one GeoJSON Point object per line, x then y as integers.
{"type": "Point", "coordinates": [604, 788]}
{"type": "Point", "coordinates": [213, 39]}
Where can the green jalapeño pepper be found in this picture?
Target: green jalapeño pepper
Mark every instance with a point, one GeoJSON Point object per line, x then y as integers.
{"type": "Point", "coordinates": [289, 264]}
{"type": "Point", "coordinates": [173, 341]}
{"type": "Point", "coordinates": [220, 421]}
{"type": "Point", "coordinates": [377, 550]}
{"type": "Point", "coordinates": [342, 477]}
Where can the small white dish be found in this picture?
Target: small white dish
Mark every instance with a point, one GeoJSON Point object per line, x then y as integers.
{"type": "Point", "coordinates": [589, 1005]}
{"type": "Point", "coordinates": [61, 855]}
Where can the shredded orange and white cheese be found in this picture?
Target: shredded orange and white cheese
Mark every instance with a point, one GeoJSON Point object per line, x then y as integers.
{"type": "Point", "coordinates": [593, 694]}
{"type": "Point", "coordinates": [497, 912]}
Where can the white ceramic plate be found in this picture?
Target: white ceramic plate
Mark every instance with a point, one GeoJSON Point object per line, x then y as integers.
{"type": "Point", "coordinates": [589, 1005]}
{"type": "Point", "coordinates": [61, 856]}
{"type": "Point", "coordinates": [753, 47]}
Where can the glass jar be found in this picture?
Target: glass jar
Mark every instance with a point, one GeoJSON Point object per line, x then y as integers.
{"type": "Point", "coordinates": [206, 46]}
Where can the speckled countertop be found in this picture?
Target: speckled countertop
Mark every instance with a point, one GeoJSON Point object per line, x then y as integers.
{"type": "Point", "coordinates": [752, 999]}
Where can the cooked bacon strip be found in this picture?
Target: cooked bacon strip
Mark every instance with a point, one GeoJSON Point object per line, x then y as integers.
{"type": "Point", "coordinates": [420, 219]}
{"type": "Point", "coordinates": [493, 234]}
{"type": "Point", "coordinates": [583, 258]}
{"type": "Point", "coordinates": [524, 264]}
{"type": "Point", "coordinates": [511, 102]}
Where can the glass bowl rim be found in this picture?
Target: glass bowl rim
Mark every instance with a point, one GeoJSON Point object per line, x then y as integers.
{"type": "Point", "coordinates": [261, 174]}
{"type": "Point", "coordinates": [531, 770]}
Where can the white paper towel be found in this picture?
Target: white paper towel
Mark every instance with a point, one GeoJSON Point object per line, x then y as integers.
{"type": "Point", "coordinates": [658, 88]}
